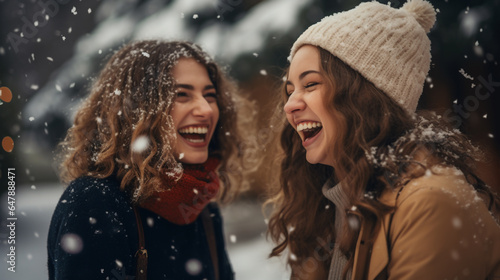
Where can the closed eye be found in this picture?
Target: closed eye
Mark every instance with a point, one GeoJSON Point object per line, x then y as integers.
{"type": "Point", "coordinates": [181, 96]}
{"type": "Point", "coordinates": [309, 85]}
{"type": "Point", "coordinates": [288, 91]}
{"type": "Point", "coordinates": [211, 96]}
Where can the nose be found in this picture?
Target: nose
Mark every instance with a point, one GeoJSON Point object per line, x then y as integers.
{"type": "Point", "coordinates": [294, 103]}
{"type": "Point", "coordinates": [202, 108]}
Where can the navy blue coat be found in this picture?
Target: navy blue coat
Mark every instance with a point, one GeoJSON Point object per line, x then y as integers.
{"type": "Point", "coordinates": [93, 235]}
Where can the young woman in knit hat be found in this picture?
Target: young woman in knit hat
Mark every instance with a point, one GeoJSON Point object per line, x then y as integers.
{"type": "Point", "coordinates": [369, 189]}
{"type": "Point", "coordinates": [144, 158]}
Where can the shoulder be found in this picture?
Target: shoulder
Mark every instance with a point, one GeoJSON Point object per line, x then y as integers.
{"type": "Point", "coordinates": [96, 216]}
{"type": "Point", "coordinates": [94, 192]}
{"type": "Point", "coordinates": [436, 219]}
{"type": "Point", "coordinates": [441, 185]}
{"type": "Point", "coordinates": [92, 197]}
{"type": "Point", "coordinates": [93, 208]}
{"type": "Point", "coordinates": [89, 185]}
{"type": "Point", "coordinates": [444, 200]}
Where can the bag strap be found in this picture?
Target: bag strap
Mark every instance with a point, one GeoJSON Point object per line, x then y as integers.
{"type": "Point", "coordinates": [141, 254]}
{"type": "Point", "coordinates": [210, 234]}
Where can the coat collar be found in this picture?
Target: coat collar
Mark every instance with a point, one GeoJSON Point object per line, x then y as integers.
{"type": "Point", "coordinates": [378, 246]}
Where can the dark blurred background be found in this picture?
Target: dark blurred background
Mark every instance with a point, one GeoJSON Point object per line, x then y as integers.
{"type": "Point", "coordinates": [50, 51]}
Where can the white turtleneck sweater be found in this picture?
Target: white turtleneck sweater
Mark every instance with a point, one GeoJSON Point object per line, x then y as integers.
{"type": "Point", "coordinates": [337, 195]}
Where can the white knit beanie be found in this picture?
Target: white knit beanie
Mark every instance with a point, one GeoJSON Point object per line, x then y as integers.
{"type": "Point", "coordinates": [388, 46]}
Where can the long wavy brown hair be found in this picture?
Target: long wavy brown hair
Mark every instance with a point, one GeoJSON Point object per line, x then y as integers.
{"type": "Point", "coordinates": [373, 151]}
{"type": "Point", "coordinates": [132, 99]}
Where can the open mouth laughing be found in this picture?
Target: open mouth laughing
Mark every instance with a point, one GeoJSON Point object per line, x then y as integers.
{"type": "Point", "coordinates": [196, 134]}
{"type": "Point", "coordinates": [309, 129]}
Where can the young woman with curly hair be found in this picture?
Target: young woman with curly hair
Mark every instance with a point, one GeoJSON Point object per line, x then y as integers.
{"type": "Point", "coordinates": [369, 189]}
{"type": "Point", "coordinates": [150, 148]}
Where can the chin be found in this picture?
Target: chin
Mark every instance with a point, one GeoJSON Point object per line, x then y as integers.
{"type": "Point", "coordinates": [318, 159]}
{"type": "Point", "coordinates": [196, 158]}
{"type": "Point", "coordinates": [311, 159]}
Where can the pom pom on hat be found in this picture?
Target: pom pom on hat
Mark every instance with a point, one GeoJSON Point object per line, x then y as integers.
{"type": "Point", "coordinates": [422, 11]}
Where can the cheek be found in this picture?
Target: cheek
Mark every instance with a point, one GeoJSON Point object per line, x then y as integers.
{"type": "Point", "coordinates": [216, 112]}
{"type": "Point", "coordinates": [289, 118]}
{"type": "Point", "coordinates": [175, 114]}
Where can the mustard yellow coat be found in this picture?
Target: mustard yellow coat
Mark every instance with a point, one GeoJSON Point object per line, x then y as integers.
{"type": "Point", "coordinates": [440, 229]}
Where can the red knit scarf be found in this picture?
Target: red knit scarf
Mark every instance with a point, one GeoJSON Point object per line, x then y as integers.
{"type": "Point", "coordinates": [182, 201]}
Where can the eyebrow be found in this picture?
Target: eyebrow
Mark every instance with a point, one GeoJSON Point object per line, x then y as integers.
{"type": "Point", "coordinates": [302, 75]}
{"type": "Point", "coordinates": [190, 87]}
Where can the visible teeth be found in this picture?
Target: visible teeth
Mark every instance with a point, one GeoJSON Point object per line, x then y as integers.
{"type": "Point", "coordinates": [191, 129]}
{"type": "Point", "coordinates": [308, 125]}
{"type": "Point", "coordinates": [195, 140]}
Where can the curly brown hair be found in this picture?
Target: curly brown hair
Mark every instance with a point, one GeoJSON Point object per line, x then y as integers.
{"type": "Point", "coordinates": [372, 152]}
{"type": "Point", "coordinates": [132, 98]}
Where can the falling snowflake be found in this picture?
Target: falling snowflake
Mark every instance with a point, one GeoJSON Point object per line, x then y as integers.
{"type": "Point", "coordinates": [353, 222]}
{"type": "Point", "coordinates": [193, 267]}
{"type": "Point", "coordinates": [140, 144]}
{"type": "Point", "coordinates": [457, 222]}
{"type": "Point", "coordinates": [71, 243]}
{"type": "Point", "coordinates": [150, 221]}
{"type": "Point", "coordinates": [232, 237]}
